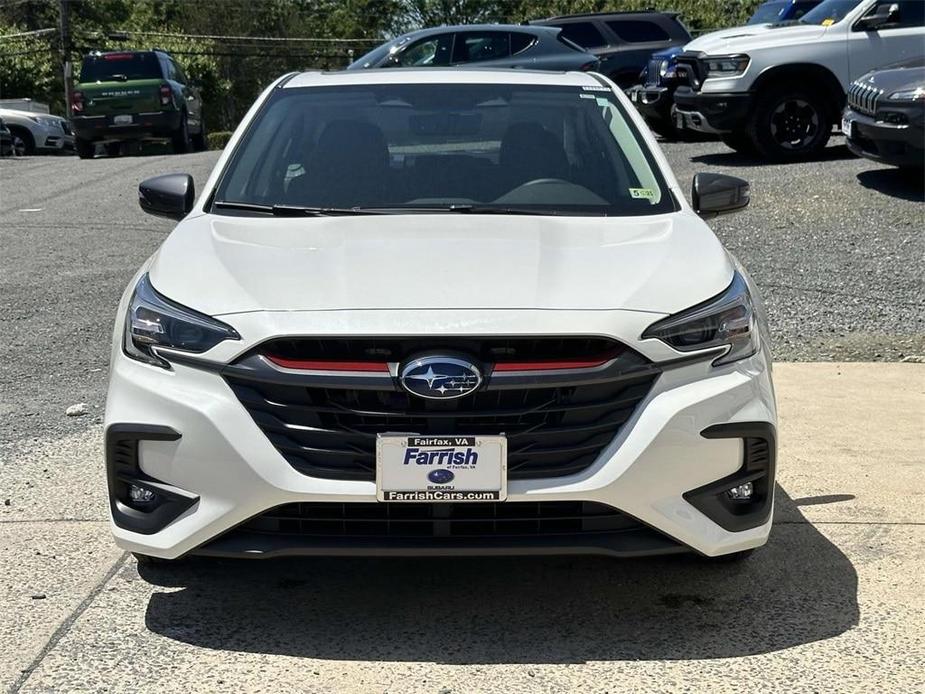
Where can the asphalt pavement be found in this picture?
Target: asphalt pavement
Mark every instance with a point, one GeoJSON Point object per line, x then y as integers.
{"type": "Point", "coordinates": [835, 601]}
{"type": "Point", "coordinates": [836, 247]}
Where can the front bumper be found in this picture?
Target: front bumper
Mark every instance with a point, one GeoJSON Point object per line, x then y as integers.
{"type": "Point", "coordinates": [653, 102]}
{"type": "Point", "coordinates": [712, 113]}
{"type": "Point", "coordinates": [222, 470]}
{"type": "Point", "coordinates": [147, 124]}
{"type": "Point", "coordinates": [896, 144]}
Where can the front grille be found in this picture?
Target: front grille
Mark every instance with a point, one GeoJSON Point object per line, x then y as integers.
{"type": "Point", "coordinates": [653, 77]}
{"type": "Point", "coordinates": [466, 520]}
{"type": "Point", "coordinates": [864, 97]}
{"type": "Point", "coordinates": [552, 429]}
{"type": "Point", "coordinates": [688, 70]}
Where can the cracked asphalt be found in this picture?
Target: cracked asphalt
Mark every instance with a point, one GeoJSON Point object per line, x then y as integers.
{"type": "Point", "coordinates": [835, 600]}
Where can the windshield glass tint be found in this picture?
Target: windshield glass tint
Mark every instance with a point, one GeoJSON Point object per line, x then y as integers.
{"type": "Point", "coordinates": [547, 149]}
{"type": "Point", "coordinates": [829, 12]}
{"type": "Point", "coordinates": [119, 66]}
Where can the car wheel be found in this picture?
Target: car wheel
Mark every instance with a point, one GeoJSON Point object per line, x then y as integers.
{"type": "Point", "coordinates": [181, 138]}
{"type": "Point", "coordinates": [23, 142]}
{"type": "Point", "coordinates": [665, 128]}
{"type": "Point", "coordinates": [114, 149]}
{"type": "Point", "coordinates": [789, 124]}
{"type": "Point", "coordinates": [740, 142]}
{"type": "Point", "coordinates": [200, 143]}
{"type": "Point", "coordinates": [84, 148]}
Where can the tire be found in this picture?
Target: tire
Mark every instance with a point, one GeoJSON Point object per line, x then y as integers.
{"type": "Point", "coordinates": [180, 138]}
{"type": "Point", "coordinates": [113, 149]}
{"type": "Point", "coordinates": [199, 139]}
{"type": "Point", "coordinates": [739, 142]}
{"type": "Point", "coordinates": [665, 129]}
{"type": "Point", "coordinates": [84, 148]}
{"type": "Point", "coordinates": [23, 142]}
{"type": "Point", "coordinates": [790, 123]}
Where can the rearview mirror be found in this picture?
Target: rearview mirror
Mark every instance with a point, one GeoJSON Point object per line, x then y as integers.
{"type": "Point", "coordinates": [885, 14]}
{"type": "Point", "coordinates": [170, 195]}
{"type": "Point", "coordinates": [715, 194]}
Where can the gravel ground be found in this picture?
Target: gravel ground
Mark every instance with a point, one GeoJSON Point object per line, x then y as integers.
{"type": "Point", "coordinates": [835, 246]}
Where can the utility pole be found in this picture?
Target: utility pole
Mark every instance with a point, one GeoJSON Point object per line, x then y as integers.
{"type": "Point", "coordinates": [65, 26]}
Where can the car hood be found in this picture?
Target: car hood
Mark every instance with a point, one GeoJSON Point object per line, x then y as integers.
{"type": "Point", "coordinates": [754, 36]}
{"type": "Point", "coordinates": [896, 78]}
{"type": "Point", "coordinates": [222, 264]}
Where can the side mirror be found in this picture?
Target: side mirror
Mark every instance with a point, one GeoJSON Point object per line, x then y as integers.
{"type": "Point", "coordinates": [170, 195]}
{"type": "Point", "coordinates": [885, 14]}
{"type": "Point", "coordinates": [715, 194]}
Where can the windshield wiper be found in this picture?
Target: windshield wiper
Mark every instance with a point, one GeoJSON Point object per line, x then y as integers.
{"type": "Point", "coordinates": [292, 210]}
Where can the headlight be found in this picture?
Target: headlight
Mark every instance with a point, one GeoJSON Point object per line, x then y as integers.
{"type": "Point", "coordinates": [728, 319]}
{"type": "Point", "coordinates": [726, 65]}
{"type": "Point", "coordinates": [153, 321]}
{"type": "Point", "coordinates": [47, 121]}
{"type": "Point", "coordinates": [916, 94]}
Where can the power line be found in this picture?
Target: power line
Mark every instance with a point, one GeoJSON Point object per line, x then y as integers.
{"type": "Point", "coordinates": [24, 34]}
{"type": "Point", "coordinates": [218, 37]}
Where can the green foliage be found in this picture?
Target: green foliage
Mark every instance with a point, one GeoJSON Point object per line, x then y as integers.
{"type": "Point", "coordinates": [231, 72]}
{"type": "Point", "coordinates": [218, 140]}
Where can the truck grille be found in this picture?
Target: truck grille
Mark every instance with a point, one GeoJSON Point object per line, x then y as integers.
{"type": "Point", "coordinates": [688, 72]}
{"type": "Point", "coordinates": [473, 520]}
{"type": "Point", "coordinates": [653, 79]}
{"type": "Point", "coordinates": [863, 98]}
{"type": "Point", "coordinates": [554, 428]}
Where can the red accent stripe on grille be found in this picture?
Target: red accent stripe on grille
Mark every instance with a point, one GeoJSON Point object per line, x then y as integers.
{"type": "Point", "coordinates": [555, 365]}
{"type": "Point", "coordinates": [316, 365]}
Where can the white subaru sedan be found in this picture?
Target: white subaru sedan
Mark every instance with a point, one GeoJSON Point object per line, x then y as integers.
{"type": "Point", "coordinates": [440, 312]}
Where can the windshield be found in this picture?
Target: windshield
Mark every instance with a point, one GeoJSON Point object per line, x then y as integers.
{"type": "Point", "coordinates": [768, 13]}
{"type": "Point", "coordinates": [120, 66]}
{"type": "Point", "coordinates": [534, 149]}
{"type": "Point", "coordinates": [373, 58]}
{"type": "Point", "coordinates": [829, 12]}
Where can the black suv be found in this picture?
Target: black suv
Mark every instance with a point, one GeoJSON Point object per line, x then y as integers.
{"type": "Point", "coordinates": [623, 41]}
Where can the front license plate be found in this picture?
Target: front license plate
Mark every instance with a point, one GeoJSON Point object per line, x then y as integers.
{"type": "Point", "coordinates": [846, 127]}
{"type": "Point", "coordinates": [122, 120]}
{"type": "Point", "coordinates": [441, 468]}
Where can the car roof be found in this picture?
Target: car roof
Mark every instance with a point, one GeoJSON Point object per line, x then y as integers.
{"type": "Point", "coordinates": [475, 27]}
{"type": "Point", "coordinates": [437, 75]}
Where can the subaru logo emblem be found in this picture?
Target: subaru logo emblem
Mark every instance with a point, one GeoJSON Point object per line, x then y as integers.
{"type": "Point", "coordinates": [440, 378]}
{"type": "Point", "coordinates": [440, 476]}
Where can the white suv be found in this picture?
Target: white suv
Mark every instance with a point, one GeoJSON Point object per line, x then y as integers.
{"type": "Point", "coordinates": [778, 89]}
{"type": "Point", "coordinates": [439, 312]}
{"type": "Point", "coordinates": [37, 132]}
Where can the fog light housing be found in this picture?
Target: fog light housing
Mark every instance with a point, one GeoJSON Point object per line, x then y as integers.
{"type": "Point", "coordinates": [140, 495]}
{"type": "Point", "coordinates": [742, 492]}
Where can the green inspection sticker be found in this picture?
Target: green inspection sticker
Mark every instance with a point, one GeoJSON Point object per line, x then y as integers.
{"type": "Point", "coordinates": [647, 193]}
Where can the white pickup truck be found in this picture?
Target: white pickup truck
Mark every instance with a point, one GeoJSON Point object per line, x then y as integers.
{"type": "Point", "coordinates": [777, 90]}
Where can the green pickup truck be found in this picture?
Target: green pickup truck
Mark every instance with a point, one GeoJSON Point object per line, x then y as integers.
{"type": "Point", "coordinates": [133, 95]}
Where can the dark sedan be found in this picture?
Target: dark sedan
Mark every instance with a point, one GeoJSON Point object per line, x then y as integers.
{"type": "Point", "coordinates": [885, 116]}
{"type": "Point", "coordinates": [489, 45]}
